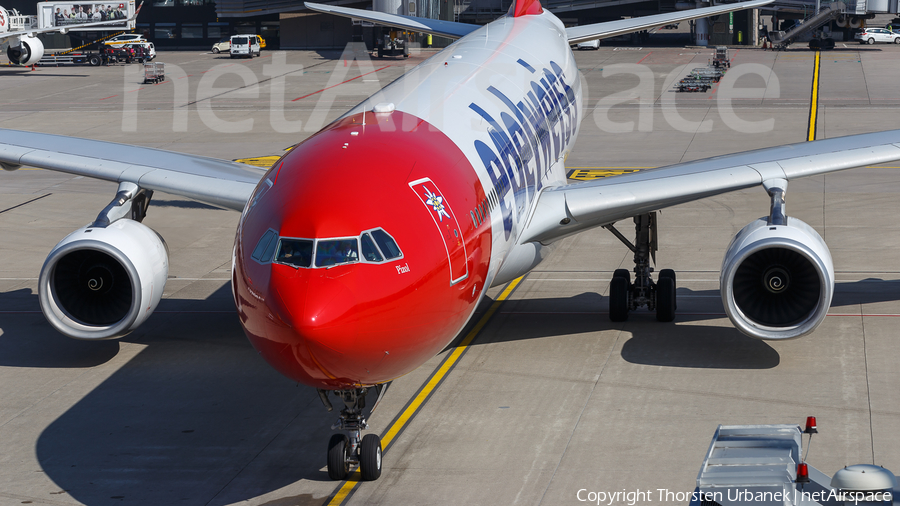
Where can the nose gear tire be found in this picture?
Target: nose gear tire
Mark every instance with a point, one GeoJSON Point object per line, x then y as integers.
{"type": "Point", "coordinates": [338, 463]}
{"type": "Point", "coordinates": [370, 457]}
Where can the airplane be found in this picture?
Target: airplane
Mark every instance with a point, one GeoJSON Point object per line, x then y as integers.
{"type": "Point", "coordinates": [458, 185]}
{"type": "Point", "coordinates": [26, 49]}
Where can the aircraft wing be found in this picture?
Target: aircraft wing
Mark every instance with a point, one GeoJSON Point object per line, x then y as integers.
{"type": "Point", "coordinates": [612, 28]}
{"type": "Point", "coordinates": [65, 29]}
{"type": "Point", "coordinates": [449, 29]}
{"type": "Point", "coordinates": [218, 182]}
{"type": "Point", "coordinates": [564, 210]}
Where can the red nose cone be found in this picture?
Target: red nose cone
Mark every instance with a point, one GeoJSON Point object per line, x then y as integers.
{"type": "Point", "coordinates": [362, 317]}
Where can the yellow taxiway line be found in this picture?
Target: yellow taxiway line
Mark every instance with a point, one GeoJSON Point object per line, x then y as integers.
{"type": "Point", "coordinates": [412, 409]}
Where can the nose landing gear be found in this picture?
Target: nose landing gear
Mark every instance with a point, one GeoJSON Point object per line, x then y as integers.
{"type": "Point", "coordinates": [346, 450]}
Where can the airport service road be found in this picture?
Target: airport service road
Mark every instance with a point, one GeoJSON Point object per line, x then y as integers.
{"type": "Point", "coordinates": [549, 398]}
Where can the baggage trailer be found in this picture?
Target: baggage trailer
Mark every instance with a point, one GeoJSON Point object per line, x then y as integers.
{"type": "Point", "coordinates": [713, 74]}
{"type": "Point", "coordinates": [689, 85]}
{"type": "Point", "coordinates": [106, 56]}
{"type": "Point", "coordinates": [154, 72]}
{"type": "Point", "coordinates": [72, 59]}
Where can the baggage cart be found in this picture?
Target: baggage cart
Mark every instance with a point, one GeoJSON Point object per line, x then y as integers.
{"type": "Point", "coordinates": [154, 72]}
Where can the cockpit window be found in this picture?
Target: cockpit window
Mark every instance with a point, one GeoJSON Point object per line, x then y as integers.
{"type": "Point", "coordinates": [296, 252]}
{"type": "Point", "coordinates": [386, 244]}
{"type": "Point", "coordinates": [376, 246]}
{"type": "Point", "coordinates": [334, 252]}
{"type": "Point", "coordinates": [369, 251]}
{"type": "Point", "coordinates": [265, 247]}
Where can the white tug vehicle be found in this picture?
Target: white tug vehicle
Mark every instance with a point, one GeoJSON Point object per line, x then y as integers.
{"type": "Point", "coordinates": [764, 465]}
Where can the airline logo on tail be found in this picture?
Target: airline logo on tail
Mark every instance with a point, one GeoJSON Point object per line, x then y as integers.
{"type": "Point", "coordinates": [525, 8]}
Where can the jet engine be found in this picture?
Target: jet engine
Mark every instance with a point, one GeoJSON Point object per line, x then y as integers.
{"type": "Point", "coordinates": [777, 280]}
{"type": "Point", "coordinates": [102, 282]}
{"type": "Point", "coordinates": [28, 52]}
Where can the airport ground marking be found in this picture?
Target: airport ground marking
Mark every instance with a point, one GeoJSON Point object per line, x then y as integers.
{"type": "Point", "coordinates": [814, 101]}
{"type": "Point", "coordinates": [425, 392]}
{"type": "Point", "coordinates": [26, 202]}
{"type": "Point", "coordinates": [263, 162]}
{"type": "Point", "coordinates": [591, 173]}
{"type": "Point", "coordinates": [338, 84]}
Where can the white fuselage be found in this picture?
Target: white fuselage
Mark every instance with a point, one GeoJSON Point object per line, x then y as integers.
{"type": "Point", "coordinates": [509, 96]}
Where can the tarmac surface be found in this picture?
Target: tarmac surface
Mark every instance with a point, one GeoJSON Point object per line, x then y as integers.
{"type": "Point", "coordinates": [550, 398]}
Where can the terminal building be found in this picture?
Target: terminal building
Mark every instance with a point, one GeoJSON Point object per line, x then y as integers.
{"type": "Point", "coordinates": [286, 24]}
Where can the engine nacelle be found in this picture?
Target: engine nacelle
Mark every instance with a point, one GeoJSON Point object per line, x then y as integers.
{"type": "Point", "coordinates": [777, 281]}
{"type": "Point", "coordinates": [101, 283]}
{"type": "Point", "coordinates": [28, 52]}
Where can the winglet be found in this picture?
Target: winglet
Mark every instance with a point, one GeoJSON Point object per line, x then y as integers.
{"type": "Point", "coordinates": [525, 8]}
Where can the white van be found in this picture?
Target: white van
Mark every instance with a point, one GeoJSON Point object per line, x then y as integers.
{"type": "Point", "coordinates": [244, 45]}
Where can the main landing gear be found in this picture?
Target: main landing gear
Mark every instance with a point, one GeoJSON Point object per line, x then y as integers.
{"type": "Point", "coordinates": [625, 295]}
{"type": "Point", "coordinates": [345, 450]}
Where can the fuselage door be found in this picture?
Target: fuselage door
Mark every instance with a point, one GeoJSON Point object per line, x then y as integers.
{"type": "Point", "coordinates": [447, 224]}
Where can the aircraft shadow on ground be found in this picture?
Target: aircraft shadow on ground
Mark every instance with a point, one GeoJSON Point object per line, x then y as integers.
{"type": "Point", "coordinates": [678, 344]}
{"type": "Point", "coordinates": [20, 71]}
{"type": "Point", "coordinates": [29, 341]}
{"type": "Point", "coordinates": [684, 343]}
{"type": "Point", "coordinates": [195, 417]}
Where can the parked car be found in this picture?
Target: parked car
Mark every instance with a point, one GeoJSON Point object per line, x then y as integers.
{"type": "Point", "coordinates": [143, 51]}
{"type": "Point", "coordinates": [873, 35]}
{"type": "Point", "coordinates": [223, 45]}
{"type": "Point", "coordinates": [124, 38]}
{"type": "Point", "coordinates": [244, 45]}
{"type": "Point", "coordinates": [591, 44]}
{"type": "Point", "coordinates": [262, 42]}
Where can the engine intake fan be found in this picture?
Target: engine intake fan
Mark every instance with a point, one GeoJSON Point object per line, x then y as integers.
{"type": "Point", "coordinates": [102, 282]}
{"type": "Point", "coordinates": [29, 51]}
{"type": "Point", "coordinates": [777, 281]}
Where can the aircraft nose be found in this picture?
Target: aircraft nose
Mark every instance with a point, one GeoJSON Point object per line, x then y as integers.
{"type": "Point", "coordinates": [389, 249]}
{"type": "Point", "coordinates": [347, 325]}
{"type": "Point", "coordinates": [320, 313]}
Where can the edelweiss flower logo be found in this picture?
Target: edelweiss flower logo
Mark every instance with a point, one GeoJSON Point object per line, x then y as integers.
{"type": "Point", "coordinates": [436, 202]}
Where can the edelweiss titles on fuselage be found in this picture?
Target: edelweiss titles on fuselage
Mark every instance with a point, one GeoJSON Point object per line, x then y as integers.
{"type": "Point", "coordinates": [528, 138]}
